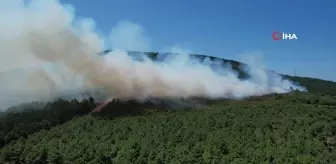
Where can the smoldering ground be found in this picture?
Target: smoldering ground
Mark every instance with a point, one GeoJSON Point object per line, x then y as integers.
{"type": "Point", "coordinates": [47, 52]}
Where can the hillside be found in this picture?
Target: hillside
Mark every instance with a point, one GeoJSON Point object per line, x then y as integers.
{"type": "Point", "coordinates": [312, 84]}
{"type": "Point", "coordinates": [293, 128]}
{"type": "Point", "coordinates": [289, 128]}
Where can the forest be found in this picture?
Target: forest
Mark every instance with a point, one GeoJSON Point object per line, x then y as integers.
{"type": "Point", "coordinates": [298, 127]}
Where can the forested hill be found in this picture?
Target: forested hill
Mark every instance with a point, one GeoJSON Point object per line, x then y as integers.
{"type": "Point", "coordinates": [297, 127]}
{"type": "Point", "coordinates": [313, 85]}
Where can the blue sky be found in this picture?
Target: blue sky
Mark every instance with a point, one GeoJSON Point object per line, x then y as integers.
{"type": "Point", "coordinates": [229, 29]}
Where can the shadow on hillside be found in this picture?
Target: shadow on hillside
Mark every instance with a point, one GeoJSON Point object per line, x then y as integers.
{"type": "Point", "coordinates": [118, 108]}
{"type": "Point", "coordinates": [28, 118]}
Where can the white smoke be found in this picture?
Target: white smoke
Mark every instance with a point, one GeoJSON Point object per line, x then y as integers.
{"type": "Point", "coordinates": [47, 52]}
{"type": "Point", "coordinates": [129, 36]}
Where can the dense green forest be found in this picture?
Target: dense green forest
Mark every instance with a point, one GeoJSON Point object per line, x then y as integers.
{"type": "Point", "coordinates": [297, 127]}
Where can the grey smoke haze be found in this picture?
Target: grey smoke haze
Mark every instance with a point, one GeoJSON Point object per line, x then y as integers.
{"type": "Point", "coordinates": [47, 52]}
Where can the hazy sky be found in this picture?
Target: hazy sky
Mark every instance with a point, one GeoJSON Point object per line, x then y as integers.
{"type": "Point", "coordinates": [225, 29]}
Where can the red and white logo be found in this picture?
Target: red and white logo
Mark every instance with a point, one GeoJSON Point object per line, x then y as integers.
{"type": "Point", "coordinates": [283, 36]}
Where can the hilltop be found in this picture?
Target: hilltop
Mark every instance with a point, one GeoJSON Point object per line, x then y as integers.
{"type": "Point", "coordinates": [314, 85]}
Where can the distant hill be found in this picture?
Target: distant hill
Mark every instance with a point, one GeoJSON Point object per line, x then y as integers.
{"type": "Point", "coordinates": [313, 85]}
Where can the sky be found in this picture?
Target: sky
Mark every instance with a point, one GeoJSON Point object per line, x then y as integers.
{"type": "Point", "coordinates": [227, 29]}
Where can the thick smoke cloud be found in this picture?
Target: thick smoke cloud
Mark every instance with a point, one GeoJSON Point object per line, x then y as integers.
{"type": "Point", "coordinates": [47, 52]}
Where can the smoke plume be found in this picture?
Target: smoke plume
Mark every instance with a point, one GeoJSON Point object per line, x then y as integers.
{"type": "Point", "coordinates": [46, 52]}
